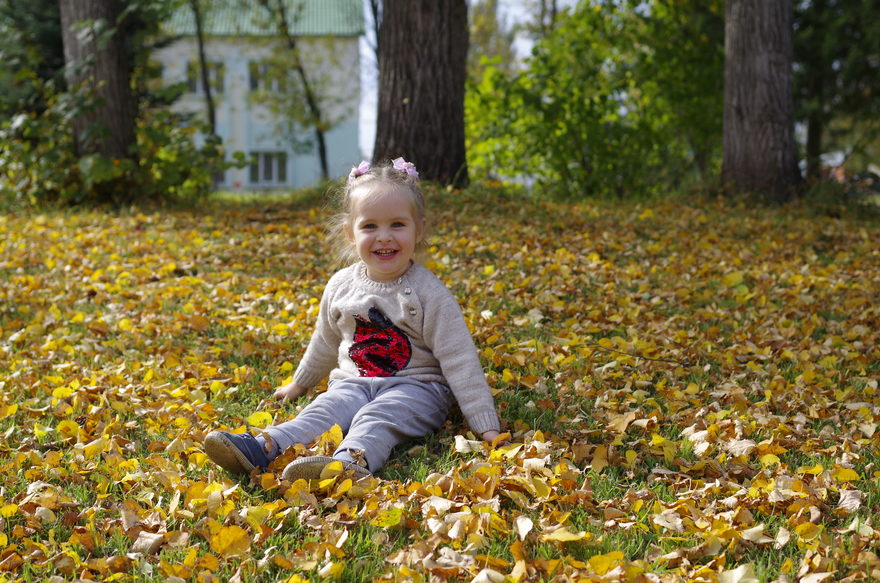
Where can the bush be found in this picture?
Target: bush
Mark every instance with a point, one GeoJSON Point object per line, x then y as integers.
{"type": "Point", "coordinates": [596, 112]}
{"type": "Point", "coordinates": [38, 166]}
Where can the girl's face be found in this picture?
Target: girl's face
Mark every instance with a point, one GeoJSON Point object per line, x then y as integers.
{"type": "Point", "coordinates": [385, 233]}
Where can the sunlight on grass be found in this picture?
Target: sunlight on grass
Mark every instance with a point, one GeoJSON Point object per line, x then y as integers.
{"type": "Point", "coordinates": [691, 391]}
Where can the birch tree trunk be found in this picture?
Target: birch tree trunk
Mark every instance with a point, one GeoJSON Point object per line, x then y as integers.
{"type": "Point", "coordinates": [759, 147]}
{"type": "Point", "coordinates": [422, 69]}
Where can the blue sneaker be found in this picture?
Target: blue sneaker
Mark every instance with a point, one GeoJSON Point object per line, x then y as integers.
{"type": "Point", "coordinates": [238, 453]}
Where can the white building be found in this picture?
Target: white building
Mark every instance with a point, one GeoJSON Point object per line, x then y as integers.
{"type": "Point", "coordinates": [253, 85]}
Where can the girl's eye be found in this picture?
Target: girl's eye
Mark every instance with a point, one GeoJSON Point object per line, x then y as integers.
{"type": "Point", "coordinates": [368, 226]}
{"type": "Point", "coordinates": [398, 224]}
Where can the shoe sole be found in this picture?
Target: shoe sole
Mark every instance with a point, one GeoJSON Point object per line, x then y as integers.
{"type": "Point", "coordinates": [223, 452]}
{"type": "Point", "coordinates": [309, 468]}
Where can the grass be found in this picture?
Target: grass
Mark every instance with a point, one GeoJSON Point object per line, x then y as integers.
{"type": "Point", "coordinates": [609, 335]}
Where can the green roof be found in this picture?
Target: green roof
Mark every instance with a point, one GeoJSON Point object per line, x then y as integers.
{"type": "Point", "coordinates": [250, 18]}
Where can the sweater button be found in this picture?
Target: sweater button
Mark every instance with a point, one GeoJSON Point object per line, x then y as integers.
{"type": "Point", "coordinates": [407, 291]}
{"type": "Point", "coordinates": [412, 311]}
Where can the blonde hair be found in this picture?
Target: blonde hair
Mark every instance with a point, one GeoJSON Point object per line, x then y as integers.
{"type": "Point", "coordinates": [373, 182]}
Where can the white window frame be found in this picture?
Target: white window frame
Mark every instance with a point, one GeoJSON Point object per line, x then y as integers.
{"type": "Point", "coordinates": [260, 79]}
{"type": "Point", "coordinates": [268, 168]}
{"type": "Point", "coordinates": [216, 75]}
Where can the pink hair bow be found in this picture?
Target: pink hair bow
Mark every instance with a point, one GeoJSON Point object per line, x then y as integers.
{"type": "Point", "coordinates": [359, 170]}
{"type": "Point", "coordinates": [404, 166]}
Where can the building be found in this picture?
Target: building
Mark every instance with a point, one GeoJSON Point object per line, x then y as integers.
{"type": "Point", "coordinates": [257, 93]}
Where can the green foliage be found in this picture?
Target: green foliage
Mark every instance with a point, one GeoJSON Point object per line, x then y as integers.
{"type": "Point", "coordinates": [837, 83]}
{"type": "Point", "coordinates": [600, 109]}
{"type": "Point", "coordinates": [31, 51]}
{"type": "Point", "coordinates": [38, 166]}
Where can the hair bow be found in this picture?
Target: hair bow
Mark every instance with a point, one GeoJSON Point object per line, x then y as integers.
{"type": "Point", "coordinates": [404, 166]}
{"type": "Point", "coordinates": [359, 170]}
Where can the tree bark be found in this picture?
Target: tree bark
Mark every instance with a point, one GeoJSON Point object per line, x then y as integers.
{"type": "Point", "coordinates": [759, 146]}
{"type": "Point", "coordinates": [103, 65]}
{"type": "Point", "coordinates": [422, 69]}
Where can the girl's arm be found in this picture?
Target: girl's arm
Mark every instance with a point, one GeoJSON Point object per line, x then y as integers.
{"type": "Point", "coordinates": [320, 355]}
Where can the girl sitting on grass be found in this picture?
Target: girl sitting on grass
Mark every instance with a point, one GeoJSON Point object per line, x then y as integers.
{"type": "Point", "coordinates": [390, 336]}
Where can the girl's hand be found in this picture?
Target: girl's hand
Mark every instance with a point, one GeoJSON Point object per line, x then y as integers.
{"type": "Point", "coordinates": [493, 436]}
{"type": "Point", "coordinates": [290, 391]}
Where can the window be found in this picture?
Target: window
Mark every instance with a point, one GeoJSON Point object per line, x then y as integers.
{"type": "Point", "coordinates": [264, 76]}
{"type": "Point", "coordinates": [268, 168]}
{"type": "Point", "coordinates": [216, 74]}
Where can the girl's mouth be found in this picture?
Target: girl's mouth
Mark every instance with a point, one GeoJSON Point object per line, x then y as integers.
{"type": "Point", "coordinates": [385, 252]}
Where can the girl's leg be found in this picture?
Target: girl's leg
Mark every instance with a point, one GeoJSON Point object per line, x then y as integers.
{"type": "Point", "coordinates": [401, 409]}
{"type": "Point", "coordinates": [337, 406]}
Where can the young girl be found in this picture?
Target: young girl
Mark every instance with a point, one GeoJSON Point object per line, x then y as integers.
{"type": "Point", "coordinates": [389, 334]}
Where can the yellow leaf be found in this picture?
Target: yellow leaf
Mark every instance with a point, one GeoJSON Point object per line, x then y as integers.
{"type": "Point", "coordinates": [8, 410]}
{"type": "Point", "coordinates": [845, 474]}
{"type": "Point", "coordinates": [41, 430]}
{"type": "Point", "coordinates": [390, 517]}
{"type": "Point", "coordinates": [62, 392]}
{"type": "Point", "coordinates": [488, 270]}
{"type": "Point", "coordinates": [259, 419]}
{"type": "Point", "coordinates": [330, 439]}
{"type": "Point", "coordinates": [787, 566]}
{"type": "Point", "coordinates": [4, 540]}
{"type": "Point", "coordinates": [815, 470]}
{"type": "Point", "coordinates": [733, 279]}
{"type": "Point", "coordinates": [125, 324]}
{"type": "Point", "coordinates": [257, 515]}
{"type": "Point", "coordinates": [286, 367]}
{"type": "Point", "coordinates": [657, 439]}
{"type": "Point", "coordinates": [231, 541]}
{"type": "Point", "coordinates": [217, 386]}
{"type": "Point", "coordinates": [600, 459]}
{"type": "Point", "coordinates": [8, 510]}
{"type": "Point", "coordinates": [769, 460]}
{"type": "Point", "coordinates": [601, 564]}
{"type": "Point", "coordinates": [78, 318]}
{"type": "Point", "coordinates": [564, 535]}
{"type": "Point", "coordinates": [331, 470]}
{"type": "Point", "coordinates": [332, 570]}
{"type": "Point", "coordinates": [808, 531]}
{"type": "Point", "coordinates": [95, 447]}
{"type": "Point", "coordinates": [67, 429]}
{"type": "Point", "coordinates": [542, 490]}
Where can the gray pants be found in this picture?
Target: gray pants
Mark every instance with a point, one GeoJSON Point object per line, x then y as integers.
{"type": "Point", "coordinates": [374, 413]}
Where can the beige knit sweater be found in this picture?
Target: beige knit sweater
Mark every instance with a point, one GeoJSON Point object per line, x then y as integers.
{"type": "Point", "coordinates": [412, 327]}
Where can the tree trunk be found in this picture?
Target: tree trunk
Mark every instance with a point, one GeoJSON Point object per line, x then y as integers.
{"type": "Point", "coordinates": [103, 65]}
{"type": "Point", "coordinates": [422, 69]}
{"type": "Point", "coordinates": [203, 66]}
{"type": "Point", "coordinates": [759, 147]}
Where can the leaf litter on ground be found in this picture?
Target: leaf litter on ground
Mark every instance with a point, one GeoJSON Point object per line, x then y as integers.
{"type": "Point", "coordinates": [690, 391]}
